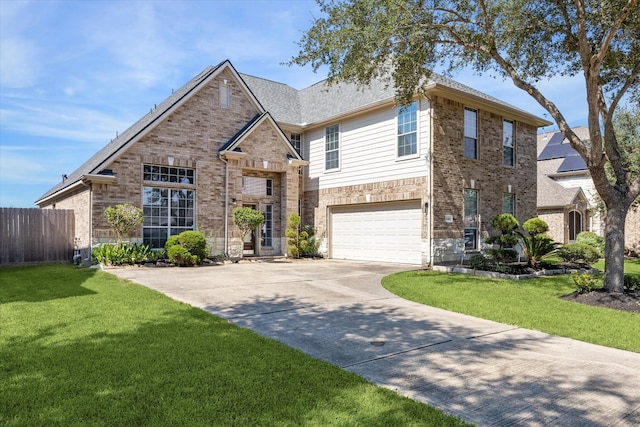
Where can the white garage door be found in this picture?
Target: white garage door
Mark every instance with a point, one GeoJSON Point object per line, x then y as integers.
{"type": "Point", "coordinates": [388, 232]}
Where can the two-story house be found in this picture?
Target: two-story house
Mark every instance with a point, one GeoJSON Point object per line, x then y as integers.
{"type": "Point", "coordinates": [415, 184]}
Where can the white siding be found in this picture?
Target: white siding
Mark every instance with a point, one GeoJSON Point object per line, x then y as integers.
{"type": "Point", "coordinates": [368, 150]}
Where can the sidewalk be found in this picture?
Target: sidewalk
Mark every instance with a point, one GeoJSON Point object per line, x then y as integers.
{"type": "Point", "coordinates": [484, 372]}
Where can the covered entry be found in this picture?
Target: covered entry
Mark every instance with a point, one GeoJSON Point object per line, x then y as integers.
{"type": "Point", "coordinates": [386, 232]}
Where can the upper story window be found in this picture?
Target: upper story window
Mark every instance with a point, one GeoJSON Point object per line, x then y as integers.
{"type": "Point", "coordinates": [296, 141]}
{"type": "Point", "coordinates": [332, 147]}
{"type": "Point", "coordinates": [255, 186]}
{"type": "Point", "coordinates": [407, 130]}
{"type": "Point", "coordinates": [168, 174]}
{"type": "Point", "coordinates": [508, 148]}
{"type": "Point", "coordinates": [224, 93]}
{"type": "Point", "coordinates": [470, 133]}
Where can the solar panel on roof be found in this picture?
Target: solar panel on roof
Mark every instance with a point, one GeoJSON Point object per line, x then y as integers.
{"type": "Point", "coordinates": [572, 163]}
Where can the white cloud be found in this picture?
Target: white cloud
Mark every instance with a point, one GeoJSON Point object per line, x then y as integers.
{"type": "Point", "coordinates": [19, 65]}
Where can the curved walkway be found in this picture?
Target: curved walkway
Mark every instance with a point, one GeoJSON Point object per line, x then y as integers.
{"type": "Point", "coordinates": [485, 372]}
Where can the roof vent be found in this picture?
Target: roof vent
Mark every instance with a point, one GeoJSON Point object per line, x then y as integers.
{"type": "Point", "coordinates": [106, 172]}
{"type": "Point", "coordinates": [64, 177]}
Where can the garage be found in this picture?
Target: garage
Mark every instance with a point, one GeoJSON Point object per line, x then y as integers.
{"type": "Point", "coordinates": [387, 232]}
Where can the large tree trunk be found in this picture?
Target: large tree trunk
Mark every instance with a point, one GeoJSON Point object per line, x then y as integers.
{"type": "Point", "coordinates": [614, 248]}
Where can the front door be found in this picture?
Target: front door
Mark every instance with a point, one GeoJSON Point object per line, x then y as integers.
{"type": "Point", "coordinates": [249, 247]}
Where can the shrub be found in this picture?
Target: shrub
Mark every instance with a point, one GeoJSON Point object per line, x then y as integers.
{"type": "Point", "coordinates": [123, 219]}
{"type": "Point", "coordinates": [536, 243]}
{"type": "Point", "coordinates": [586, 282]}
{"type": "Point", "coordinates": [631, 282]}
{"type": "Point", "coordinates": [180, 256]}
{"type": "Point", "coordinates": [120, 254]}
{"type": "Point", "coordinates": [193, 242]}
{"type": "Point", "coordinates": [506, 224]}
{"type": "Point", "coordinates": [478, 262]}
{"type": "Point", "coordinates": [591, 238]}
{"type": "Point", "coordinates": [579, 253]}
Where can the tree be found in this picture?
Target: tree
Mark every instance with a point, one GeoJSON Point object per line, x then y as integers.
{"type": "Point", "coordinates": [247, 219]}
{"type": "Point", "coordinates": [506, 225]}
{"type": "Point", "coordinates": [522, 40]}
{"type": "Point", "coordinates": [123, 219]}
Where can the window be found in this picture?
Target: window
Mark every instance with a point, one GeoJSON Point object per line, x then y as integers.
{"type": "Point", "coordinates": [254, 186]}
{"type": "Point", "coordinates": [470, 133]}
{"type": "Point", "coordinates": [224, 95]}
{"type": "Point", "coordinates": [267, 227]}
{"type": "Point", "coordinates": [575, 225]}
{"type": "Point", "coordinates": [407, 130]}
{"type": "Point", "coordinates": [332, 147]}
{"type": "Point", "coordinates": [470, 219]}
{"type": "Point", "coordinates": [296, 141]}
{"type": "Point", "coordinates": [167, 211]}
{"type": "Point", "coordinates": [168, 174]}
{"type": "Point", "coordinates": [269, 187]}
{"type": "Point", "coordinates": [508, 150]}
{"type": "Point", "coordinates": [509, 203]}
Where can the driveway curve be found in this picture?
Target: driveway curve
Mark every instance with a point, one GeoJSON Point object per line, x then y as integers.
{"type": "Point", "coordinates": [487, 373]}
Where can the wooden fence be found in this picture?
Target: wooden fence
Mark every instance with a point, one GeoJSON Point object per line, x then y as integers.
{"type": "Point", "coordinates": [36, 235]}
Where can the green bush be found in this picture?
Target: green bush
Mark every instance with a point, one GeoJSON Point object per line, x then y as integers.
{"type": "Point", "coordinates": [591, 238]}
{"type": "Point", "coordinates": [193, 242]}
{"type": "Point", "coordinates": [537, 244]}
{"type": "Point", "coordinates": [478, 262]}
{"type": "Point", "coordinates": [120, 254]}
{"type": "Point", "coordinates": [181, 257]}
{"type": "Point", "coordinates": [586, 282]}
{"type": "Point", "coordinates": [506, 224]}
{"type": "Point", "coordinates": [579, 253]}
{"type": "Point", "coordinates": [631, 282]}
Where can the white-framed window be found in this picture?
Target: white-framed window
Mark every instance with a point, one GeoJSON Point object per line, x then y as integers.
{"type": "Point", "coordinates": [509, 203]}
{"type": "Point", "coordinates": [408, 130]}
{"type": "Point", "coordinates": [267, 227]}
{"type": "Point", "coordinates": [470, 133]}
{"type": "Point", "coordinates": [167, 211]}
{"type": "Point", "coordinates": [332, 147]}
{"type": "Point", "coordinates": [168, 174]}
{"type": "Point", "coordinates": [224, 94]}
{"type": "Point", "coordinates": [508, 143]}
{"type": "Point", "coordinates": [296, 141]}
{"type": "Point", "coordinates": [470, 219]}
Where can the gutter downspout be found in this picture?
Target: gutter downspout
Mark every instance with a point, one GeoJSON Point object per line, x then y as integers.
{"type": "Point", "coordinates": [90, 242]}
{"type": "Point", "coordinates": [226, 205]}
{"type": "Point", "coordinates": [430, 195]}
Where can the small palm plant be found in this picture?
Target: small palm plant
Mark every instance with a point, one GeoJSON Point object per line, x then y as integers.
{"type": "Point", "coordinates": [536, 243]}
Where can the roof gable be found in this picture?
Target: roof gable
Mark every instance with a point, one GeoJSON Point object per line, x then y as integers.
{"type": "Point", "coordinates": [265, 118]}
{"type": "Point", "coordinates": [148, 122]}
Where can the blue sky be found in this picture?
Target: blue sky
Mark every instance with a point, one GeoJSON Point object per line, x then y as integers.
{"type": "Point", "coordinates": [74, 72]}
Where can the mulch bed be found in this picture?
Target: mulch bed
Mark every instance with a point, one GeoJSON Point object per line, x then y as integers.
{"type": "Point", "coordinates": [626, 301]}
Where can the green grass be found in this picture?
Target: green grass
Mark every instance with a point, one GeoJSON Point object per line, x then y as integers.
{"type": "Point", "coordinates": [80, 347]}
{"type": "Point", "coordinates": [531, 304]}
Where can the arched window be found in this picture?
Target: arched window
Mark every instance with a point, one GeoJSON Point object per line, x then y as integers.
{"type": "Point", "coordinates": [575, 225]}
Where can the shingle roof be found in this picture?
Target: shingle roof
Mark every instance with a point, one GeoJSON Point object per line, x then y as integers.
{"type": "Point", "coordinates": [552, 195]}
{"type": "Point", "coordinates": [314, 104]}
{"type": "Point", "coordinates": [91, 166]}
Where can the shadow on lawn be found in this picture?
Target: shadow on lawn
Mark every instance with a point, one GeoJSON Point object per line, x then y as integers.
{"type": "Point", "coordinates": [34, 283]}
{"type": "Point", "coordinates": [185, 367]}
{"type": "Point", "coordinates": [467, 371]}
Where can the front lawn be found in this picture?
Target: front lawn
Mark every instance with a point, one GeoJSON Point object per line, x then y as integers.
{"type": "Point", "coordinates": [531, 304]}
{"type": "Point", "coordinates": [81, 347]}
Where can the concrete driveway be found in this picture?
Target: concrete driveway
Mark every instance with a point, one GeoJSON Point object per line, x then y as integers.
{"type": "Point", "coordinates": [481, 371]}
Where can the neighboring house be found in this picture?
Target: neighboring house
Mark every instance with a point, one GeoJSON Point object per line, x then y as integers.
{"type": "Point", "coordinates": [417, 184]}
{"type": "Point", "coordinates": [567, 197]}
